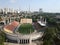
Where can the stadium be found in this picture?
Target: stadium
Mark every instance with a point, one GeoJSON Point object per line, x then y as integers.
{"type": "Point", "coordinates": [23, 32]}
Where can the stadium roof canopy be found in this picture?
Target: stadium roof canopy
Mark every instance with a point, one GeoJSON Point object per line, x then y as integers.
{"type": "Point", "coordinates": [11, 27]}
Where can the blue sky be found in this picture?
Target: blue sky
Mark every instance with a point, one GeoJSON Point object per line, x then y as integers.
{"type": "Point", "coordinates": [46, 5]}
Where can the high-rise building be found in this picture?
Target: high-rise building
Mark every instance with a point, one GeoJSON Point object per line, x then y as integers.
{"type": "Point", "coordinates": [40, 10]}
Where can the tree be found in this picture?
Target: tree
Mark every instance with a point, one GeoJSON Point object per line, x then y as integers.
{"type": "Point", "coordinates": [49, 36]}
{"type": "Point", "coordinates": [1, 18]}
{"type": "Point", "coordinates": [2, 38]}
{"type": "Point", "coordinates": [51, 21]}
{"type": "Point", "coordinates": [17, 19]}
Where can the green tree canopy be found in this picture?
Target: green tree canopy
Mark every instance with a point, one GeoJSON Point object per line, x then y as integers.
{"type": "Point", "coordinates": [49, 36]}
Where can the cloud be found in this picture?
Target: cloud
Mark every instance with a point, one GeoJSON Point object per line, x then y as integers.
{"type": "Point", "coordinates": [13, 1]}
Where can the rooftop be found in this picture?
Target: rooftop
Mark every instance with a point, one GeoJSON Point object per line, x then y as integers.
{"type": "Point", "coordinates": [12, 25]}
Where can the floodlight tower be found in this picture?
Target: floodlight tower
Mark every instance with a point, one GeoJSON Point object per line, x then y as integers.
{"type": "Point", "coordinates": [29, 8]}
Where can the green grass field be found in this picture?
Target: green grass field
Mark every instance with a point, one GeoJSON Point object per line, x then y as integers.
{"type": "Point", "coordinates": [26, 28]}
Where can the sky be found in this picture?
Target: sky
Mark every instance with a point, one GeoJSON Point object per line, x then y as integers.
{"type": "Point", "coordinates": [35, 5]}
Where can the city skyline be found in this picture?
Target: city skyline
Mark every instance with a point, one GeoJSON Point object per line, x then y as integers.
{"type": "Point", "coordinates": [46, 5]}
